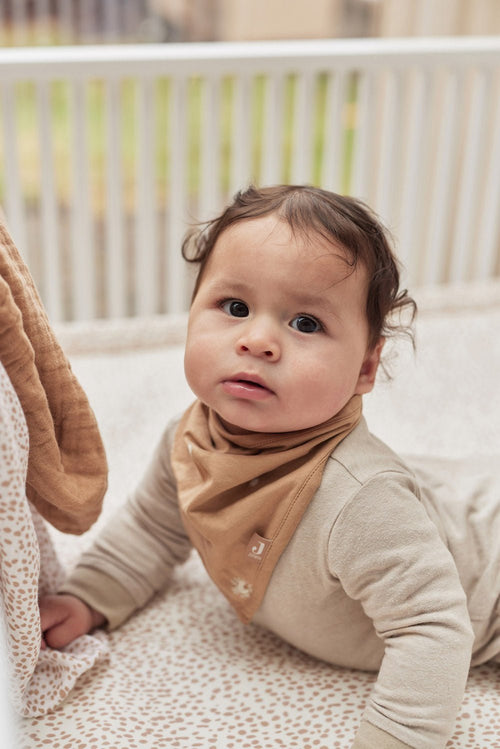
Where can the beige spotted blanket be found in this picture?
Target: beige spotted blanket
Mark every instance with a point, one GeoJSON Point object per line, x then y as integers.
{"type": "Point", "coordinates": [29, 566]}
{"type": "Point", "coordinates": [52, 464]}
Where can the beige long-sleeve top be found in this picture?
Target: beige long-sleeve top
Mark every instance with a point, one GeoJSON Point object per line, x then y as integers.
{"type": "Point", "coordinates": [373, 578]}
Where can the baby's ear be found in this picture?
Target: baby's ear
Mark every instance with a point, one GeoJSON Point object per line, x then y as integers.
{"type": "Point", "coordinates": [369, 368]}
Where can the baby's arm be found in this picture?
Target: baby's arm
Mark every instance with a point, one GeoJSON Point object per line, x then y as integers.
{"type": "Point", "coordinates": [134, 555]}
{"type": "Point", "coordinates": [64, 618]}
{"type": "Point", "coordinates": [388, 555]}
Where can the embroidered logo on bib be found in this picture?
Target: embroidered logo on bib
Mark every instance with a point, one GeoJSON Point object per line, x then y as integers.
{"type": "Point", "coordinates": [240, 588]}
{"type": "Point", "coordinates": [257, 547]}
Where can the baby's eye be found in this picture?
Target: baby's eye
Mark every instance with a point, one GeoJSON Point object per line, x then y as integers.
{"type": "Point", "coordinates": [306, 324]}
{"type": "Point", "coordinates": [235, 308]}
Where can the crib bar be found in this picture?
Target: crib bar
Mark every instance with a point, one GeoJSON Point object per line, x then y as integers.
{"type": "Point", "coordinates": [333, 133]}
{"type": "Point", "coordinates": [489, 216]}
{"type": "Point", "coordinates": [175, 282]}
{"type": "Point", "coordinates": [14, 203]}
{"type": "Point", "coordinates": [412, 193]}
{"type": "Point", "coordinates": [210, 149]}
{"type": "Point", "coordinates": [387, 172]}
{"type": "Point", "coordinates": [302, 137]}
{"type": "Point", "coordinates": [469, 187]}
{"type": "Point", "coordinates": [146, 293]}
{"type": "Point", "coordinates": [52, 281]}
{"type": "Point", "coordinates": [114, 254]}
{"type": "Point", "coordinates": [82, 246]}
{"type": "Point", "coordinates": [273, 134]}
{"type": "Point", "coordinates": [440, 198]}
{"type": "Point", "coordinates": [363, 137]}
{"type": "Point", "coordinates": [241, 134]}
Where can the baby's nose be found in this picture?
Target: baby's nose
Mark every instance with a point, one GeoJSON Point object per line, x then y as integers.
{"type": "Point", "coordinates": [269, 353]}
{"type": "Point", "coordinates": [259, 341]}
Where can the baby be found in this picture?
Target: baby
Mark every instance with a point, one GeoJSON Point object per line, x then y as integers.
{"type": "Point", "coordinates": [308, 524]}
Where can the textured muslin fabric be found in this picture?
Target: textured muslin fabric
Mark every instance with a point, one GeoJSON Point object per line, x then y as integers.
{"type": "Point", "coordinates": [242, 495]}
{"type": "Point", "coordinates": [67, 469]}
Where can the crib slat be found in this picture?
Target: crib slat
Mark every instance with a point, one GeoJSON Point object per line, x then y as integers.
{"type": "Point", "coordinates": [463, 239]}
{"type": "Point", "coordinates": [14, 202]}
{"type": "Point", "coordinates": [334, 133]}
{"type": "Point", "coordinates": [302, 136]}
{"type": "Point", "coordinates": [441, 196]}
{"type": "Point", "coordinates": [146, 296]}
{"type": "Point", "coordinates": [210, 149]}
{"type": "Point", "coordinates": [52, 280]}
{"type": "Point", "coordinates": [241, 141]}
{"type": "Point", "coordinates": [390, 131]}
{"type": "Point", "coordinates": [114, 252]}
{"type": "Point", "coordinates": [82, 246]}
{"type": "Point", "coordinates": [362, 142]}
{"type": "Point", "coordinates": [272, 152]}
{"type": "Point", "coordinates": [413, 170]}
{"type": "Point", "coordinates": [488, 239]}
{"type": "Point", "coordinates": [176, 215]}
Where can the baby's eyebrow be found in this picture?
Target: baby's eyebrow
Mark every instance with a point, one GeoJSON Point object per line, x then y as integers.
{"type": "Point", "coordinates": [227, 283]}
{"type": "Point", "coordinates": [322, 301]}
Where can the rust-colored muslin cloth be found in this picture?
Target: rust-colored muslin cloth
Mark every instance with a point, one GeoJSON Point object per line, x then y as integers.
{"type": "Point", "coordinates": [67, 469]}
{"type": "Point", "coordinates": [242, 496]}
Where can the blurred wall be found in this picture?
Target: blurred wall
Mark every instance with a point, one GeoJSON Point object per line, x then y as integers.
{"type": "Point", "coordinates": [233, 20]}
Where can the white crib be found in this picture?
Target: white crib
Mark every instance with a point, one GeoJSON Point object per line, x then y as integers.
{"type": "Point", "coordinates": [109, 152]}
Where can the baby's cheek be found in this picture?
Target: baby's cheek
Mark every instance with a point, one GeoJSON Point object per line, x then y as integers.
{"type": "Point", "coordinates": [197, 364]}
{"type": "Point", "coordinates": [190, 364]}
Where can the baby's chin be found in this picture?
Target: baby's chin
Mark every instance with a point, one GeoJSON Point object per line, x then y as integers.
{"type": "Point", "coordinates": [250, 427]}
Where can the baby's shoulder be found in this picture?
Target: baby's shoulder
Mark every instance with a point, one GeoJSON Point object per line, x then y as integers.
{"type": "Point", "coordinates": [365, 476]}
{"type": "Point", "coordinates": [362, 458]}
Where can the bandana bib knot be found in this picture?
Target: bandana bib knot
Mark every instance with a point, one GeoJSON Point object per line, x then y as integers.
{"type": "Point", "coordinates": [242, 496]}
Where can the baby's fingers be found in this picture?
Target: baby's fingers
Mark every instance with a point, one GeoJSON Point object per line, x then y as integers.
{"type": "Point", "coordinates": [52, 611]}
{"type": "Point", "coordinates": [63, 619]}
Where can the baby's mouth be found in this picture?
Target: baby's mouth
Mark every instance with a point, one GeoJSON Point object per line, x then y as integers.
{"type": "Point", "coordinates": [252, 383]}
{"type": "Point", "coordinates": [246, 387]}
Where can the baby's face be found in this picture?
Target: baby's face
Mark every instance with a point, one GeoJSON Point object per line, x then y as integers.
{"type": "Point", "coordinates": [277, 337]}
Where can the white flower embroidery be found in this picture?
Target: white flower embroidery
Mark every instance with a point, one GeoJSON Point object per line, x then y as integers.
{"type": "Point", "coordinates": [240, 588]}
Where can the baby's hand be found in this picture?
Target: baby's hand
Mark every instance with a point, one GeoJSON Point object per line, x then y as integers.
{"type": "Point", "coordinates": [64, 618]}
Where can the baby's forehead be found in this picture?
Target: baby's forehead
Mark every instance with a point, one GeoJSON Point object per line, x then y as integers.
{"type": "Point", "coordinates": [297, 261]}
{"type": "Point", "coordinates": [274, 230]}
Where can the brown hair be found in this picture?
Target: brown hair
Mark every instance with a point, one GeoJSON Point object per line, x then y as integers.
{"type": "Point", "coordinates": [341, 220]}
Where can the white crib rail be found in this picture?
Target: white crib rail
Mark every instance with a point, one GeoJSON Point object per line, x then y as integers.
{"type": "Point", "coordinates": [412, 126]}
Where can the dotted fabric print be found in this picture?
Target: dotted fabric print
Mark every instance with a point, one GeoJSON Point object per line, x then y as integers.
{"type": "Point", "coordinates": [184, 673]}
{"type": "Point", "coordinates": [29, 566]}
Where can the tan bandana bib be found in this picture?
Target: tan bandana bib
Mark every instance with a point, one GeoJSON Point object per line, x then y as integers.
{"type": "Point", "coordinates": [242, 496]}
